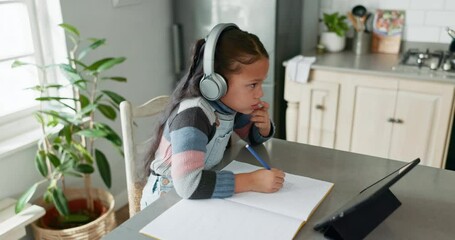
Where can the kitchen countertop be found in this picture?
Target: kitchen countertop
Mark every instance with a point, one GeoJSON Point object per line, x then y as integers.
{"type": "Point", "coordinates": [376, 64]}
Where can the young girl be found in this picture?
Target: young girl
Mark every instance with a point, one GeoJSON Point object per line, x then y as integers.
{"type": "Point", "coordinates": [202, 114]}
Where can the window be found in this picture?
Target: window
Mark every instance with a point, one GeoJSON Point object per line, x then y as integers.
{"type": "Point", "coordinates": [29, 32]}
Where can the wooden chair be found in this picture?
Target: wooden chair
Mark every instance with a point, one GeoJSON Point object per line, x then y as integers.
{"type": "Point", "coordinates": [133, 147]}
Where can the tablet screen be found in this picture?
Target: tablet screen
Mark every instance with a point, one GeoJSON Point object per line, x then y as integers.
{"type": "Point", "coordinates": [367, 193]}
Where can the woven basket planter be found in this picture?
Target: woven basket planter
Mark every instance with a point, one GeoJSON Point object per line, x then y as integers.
{"type": "Point", "coordinates": [92, 230]}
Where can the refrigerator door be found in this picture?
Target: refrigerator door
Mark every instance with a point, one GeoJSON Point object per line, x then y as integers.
{"type": "Point", "coordinates": [195, 18]}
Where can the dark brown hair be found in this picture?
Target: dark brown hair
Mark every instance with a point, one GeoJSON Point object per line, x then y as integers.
{"type": "Point", "coordinates": [234, 48]}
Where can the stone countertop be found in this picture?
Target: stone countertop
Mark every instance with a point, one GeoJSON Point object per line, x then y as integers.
{"type": "Point", "coordinates": [376, 64]}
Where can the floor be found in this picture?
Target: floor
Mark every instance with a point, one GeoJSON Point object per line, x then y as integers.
{"type": "Point", "coordinates": [122, 214]}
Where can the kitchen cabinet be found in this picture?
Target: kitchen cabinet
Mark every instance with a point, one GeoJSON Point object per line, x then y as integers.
{"type": "Point", "coordinates": [383, 116]}
{"type": "Point", "coordinates": [396, 118]}
{"type": "Point", "coordinates": [369, 105]}
{"type": "Point", "coordinates": [312, 110]}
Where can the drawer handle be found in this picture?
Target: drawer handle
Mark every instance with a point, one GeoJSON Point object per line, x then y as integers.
{"type": "Point", "coordinates": [391, 120]}
{"type": "Point", "coordinates": [320, 107]}
{"type": "Point", "coordinates": [399, 121]}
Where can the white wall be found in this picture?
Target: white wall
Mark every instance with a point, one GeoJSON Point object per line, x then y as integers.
{"type": "Point", "coordinates": [139, 32]}
{"type": "Point", "coordinates": [425, 21]}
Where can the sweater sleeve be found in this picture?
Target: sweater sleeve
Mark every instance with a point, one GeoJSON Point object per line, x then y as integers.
{"type": "Point", "coordinates": [190, 131]}
{"type": "Point", "coordinates": [249, 132]}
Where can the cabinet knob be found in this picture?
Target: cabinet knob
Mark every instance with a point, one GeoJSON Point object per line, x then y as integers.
{"type": "Point", "coordinates": [399, 121]}
{"type": "Point", "coordinates": [320, 107]}
{"type": "Point", "coordinates": [391, 120]}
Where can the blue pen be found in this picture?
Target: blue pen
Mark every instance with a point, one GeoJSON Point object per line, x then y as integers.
{"type": "Point", "coordinates": [256, 155]}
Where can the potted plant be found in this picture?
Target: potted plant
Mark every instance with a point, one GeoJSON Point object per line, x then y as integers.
{"type": "Point", "coordinates": [334, 39]}
{"type": "Point", "coordinates": [67, 149]}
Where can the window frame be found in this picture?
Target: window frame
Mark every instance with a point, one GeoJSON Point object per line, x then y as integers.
{"type": "Point", "coordinates": [49, 48]}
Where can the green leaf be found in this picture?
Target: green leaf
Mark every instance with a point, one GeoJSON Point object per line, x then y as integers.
{"type": "Point", "coordinates": [107, 111]}
{"type": "Point", "coordinates": [59, 100]}
{"type": "Point", "coordinates": [23, 200]}
{"type": "Point", "coordinates": [80, 154]}
{"type": "Point", "coordinates": [79, 63]}
{"type": "Point", "coordinates": [40, 163]}
{"type": "Point", "coordinates": [42, 88]}
{"type": "Point", "coordinates": [57, 115]}
{"type": "Point", "coordinates": [105, 64]}
{"type": "Point", "coordinates": [39, 118]}
{"type": "Point", "coordinates": [66, 165]}
{"type": "Point", "coordinates": [85, 154]}
{"type": "Point", "coordinates": [103, 167]}
{"type": "Point", "coordinates": [118, 79]}
{"type": "Point", "coordinates": [335, 23]}
{"type": "Point", "coordinates": [60, 202]}
{"type": "Point", "coordinates": [53, 159]}
{"type": "Point", "coordinates": [47, 196]}
{"type": "Point", "coordinates": [84, 168]}
{"type": "Point", "coordinates": [81, 84]}
{"type": "Point", "coordinates": [18, 63]}
{"type": "Point", "coordinates": [73, 174]}
{"type": "Point", "coordinates": [83, 100]}
{"type": "Point", "coordinates": [70, 29]}
{"type": "Point", "coordinates": [70, 72]}
{"type": "Point", "coordinates": [92, 133]}
{"type": "Point", "coordinates": [87, 110]}
{"type": "Point", "coordinates": [37, 88]}
{"type": "Point", "coordinates": [67, 133]}
{"type": "Point", "coordinates": [116, 106]}
{"type": "Point", "coordinates": [112, 136]}
{"type": "Point", "coordinates": [52, 121]}
{"type": "Point", "coordinates": [114, 96]}
{"type": "Point", "coordinates": [94, 45]}
{"type": "Point", "coordinates": [98, 98]}
{"type": "Point", "coordinates": [58, 86]}
{"type": "Point", "coordinates": [109, 64]}
{"type": "Point", "coordinates": [53, 98]}
{"type": "Point", "coordinates": [98, 63]}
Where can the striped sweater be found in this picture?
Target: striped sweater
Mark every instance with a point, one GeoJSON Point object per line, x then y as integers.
{"type": "Point", "coordinates": [182, 150]}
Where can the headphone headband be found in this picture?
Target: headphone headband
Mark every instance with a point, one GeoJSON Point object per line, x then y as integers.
{"type": "Point", "coordinates": [210, 47]}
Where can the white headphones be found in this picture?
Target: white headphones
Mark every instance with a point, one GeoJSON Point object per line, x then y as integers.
{"type": "Point", "coordinates": [212, 85]}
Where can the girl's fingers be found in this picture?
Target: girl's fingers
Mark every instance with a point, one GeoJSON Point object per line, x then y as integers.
{"type": "Point", "coordinates": [265, 105]}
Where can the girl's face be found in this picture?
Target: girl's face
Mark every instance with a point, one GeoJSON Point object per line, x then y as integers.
{"type": "Point", "coordinates": [245, 88]}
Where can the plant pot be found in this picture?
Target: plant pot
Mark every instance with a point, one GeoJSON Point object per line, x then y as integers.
{"type": "Point", "coordinates": [332, 42]}
{"type": "Point", "coordinates": [104, 206]}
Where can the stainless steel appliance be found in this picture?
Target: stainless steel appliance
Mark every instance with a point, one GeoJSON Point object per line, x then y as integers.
{"type": "Point", "coordinates": [438, 62]}
{"type": "Point", "coordinates": [277, 23]}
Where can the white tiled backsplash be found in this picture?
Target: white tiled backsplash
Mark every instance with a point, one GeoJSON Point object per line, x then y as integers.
{"type": "Point", "coordinates": [426, 20]}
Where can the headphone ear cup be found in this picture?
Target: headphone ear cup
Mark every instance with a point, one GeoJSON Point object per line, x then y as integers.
{"type": "Point", "coordinates": [213, 87]}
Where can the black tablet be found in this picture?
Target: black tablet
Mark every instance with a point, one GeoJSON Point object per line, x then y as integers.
{"type": "Point", "coordinates": [371, 204]}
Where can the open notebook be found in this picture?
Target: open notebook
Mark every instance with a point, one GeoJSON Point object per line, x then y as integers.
{"type": "Point", "coordinates": [247, 215]}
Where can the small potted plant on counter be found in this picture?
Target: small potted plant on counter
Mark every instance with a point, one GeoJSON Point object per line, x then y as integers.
{"type": "Point", "coordinates": [334, 39]}
{"type": "Point", "coordinates": [67, 149]}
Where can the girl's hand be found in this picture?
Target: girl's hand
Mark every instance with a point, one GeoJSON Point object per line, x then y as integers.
{"type": "Point", "coordinates": [262, 180]}
{"type": "Point", "coordinates": [261, 119]}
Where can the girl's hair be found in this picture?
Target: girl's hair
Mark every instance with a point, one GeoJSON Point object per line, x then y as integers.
{"type": "Point", "coordinates": [233, 48]}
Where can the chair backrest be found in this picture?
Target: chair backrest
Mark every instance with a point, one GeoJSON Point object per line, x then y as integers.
{"type": "Point", "coordinates": [129, 115]}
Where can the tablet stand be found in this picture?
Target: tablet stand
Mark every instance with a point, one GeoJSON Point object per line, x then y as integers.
{"type": "Point", "coordinates": [367, 216]}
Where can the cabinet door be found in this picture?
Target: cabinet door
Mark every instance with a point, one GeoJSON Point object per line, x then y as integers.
{"type": "Point", "coordinates": [423, 114]}
{"type": "Point", "coordinates": [318, 107]}
{"type": "Point", "coordinates": [367, 103]}
{"type": "Point", "coordinates": [371, 125]}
